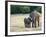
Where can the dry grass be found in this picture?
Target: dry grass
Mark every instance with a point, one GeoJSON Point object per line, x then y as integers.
{"type": "Point", "coordinates": [17, 24]}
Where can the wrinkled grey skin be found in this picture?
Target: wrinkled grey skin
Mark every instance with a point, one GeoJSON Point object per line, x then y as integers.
{"type": "Point", "coordinates": [33, 15]}
{"type": "Point", "coordinates": [32, 18]}
{"type": "Point", "coordinates": [27, 22]}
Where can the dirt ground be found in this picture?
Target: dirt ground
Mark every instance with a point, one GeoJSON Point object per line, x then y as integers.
{"type": "Point", "coordinates": [17, 24]}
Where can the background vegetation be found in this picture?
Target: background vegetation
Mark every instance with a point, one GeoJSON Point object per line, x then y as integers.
{"type": "Point", "coordinates": [21, 9]}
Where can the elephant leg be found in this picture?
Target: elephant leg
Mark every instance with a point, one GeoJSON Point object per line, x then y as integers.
{"type": "Point", "coordinates": [33, 23]}
{"type": "Point", "coordinates": [38, 21]}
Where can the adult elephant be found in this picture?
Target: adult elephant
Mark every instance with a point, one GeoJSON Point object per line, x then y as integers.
{"type": "Point", "coordinates": [35, 17]}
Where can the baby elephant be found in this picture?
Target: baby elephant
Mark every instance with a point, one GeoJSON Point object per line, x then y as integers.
{"type": "Point", "coordinates": [27, 22]}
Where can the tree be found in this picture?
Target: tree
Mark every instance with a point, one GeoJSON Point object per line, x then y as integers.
{"type": "Point", "coordinates": [25, 9]}
{"type": "Point", "coordinates": [20, 9]}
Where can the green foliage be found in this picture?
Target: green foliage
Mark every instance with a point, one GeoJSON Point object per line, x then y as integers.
{"type": "Point", "coordinates": [19, 9]}
{"type": "Point", "coordinates": [24, 9]}
{"type": "Point", "coordinates": [39, 9]}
